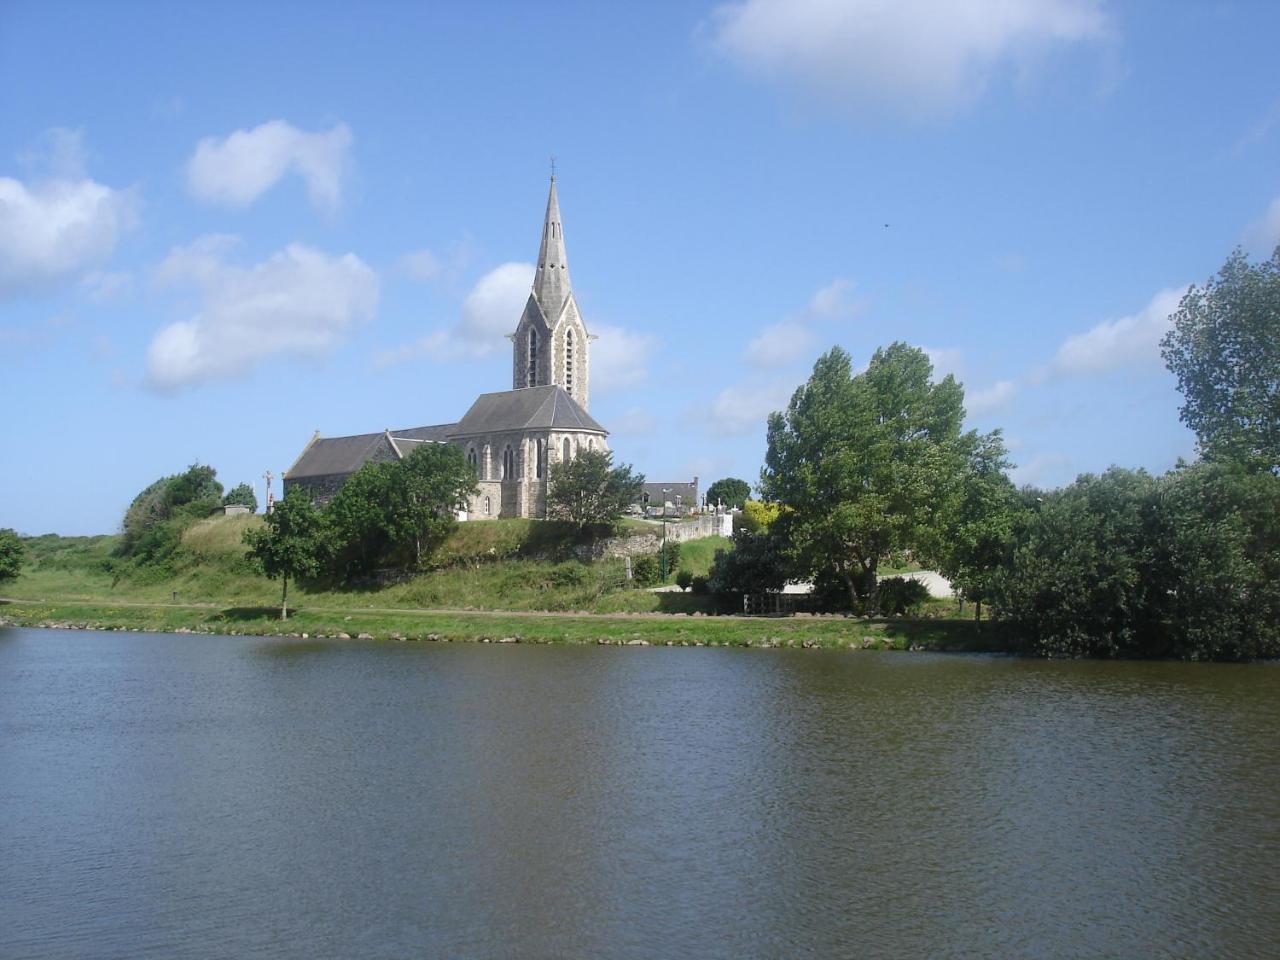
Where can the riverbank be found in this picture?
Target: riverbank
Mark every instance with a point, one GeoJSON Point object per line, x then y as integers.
{"type": "Point", "coordinates": [806, 632]}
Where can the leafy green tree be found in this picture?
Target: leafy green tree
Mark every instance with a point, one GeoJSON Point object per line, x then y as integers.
{"type": "Point", "coordinates": [730, 491]}
{"type": "Point", "coordinates": [757, 564]}
{"type": "Point", "coordinates": [361, 521]}
{"type": "Point", "coordinates": [1224, 348]}
{"type": "Point", "coordinates": [398, 512]}
{"type": "Point", "coordinates": [243, 495]}
{"type": "Point", "coordinates": [293, 543]}
{"type": "Point", "coordinates": [978, 523]}
{"type": "Point", "coordinates": [863, 464]}
{"type": "Point", "coordinates": [426, 491]}
{"type": "Point", "coordinates": [1128, 565]}
{"type": "Point", "coordinates": [154, 521]}
{"type": "Point", "coordinates": [588, 489]}
{"type": "Point", "coordinates": [684, 579]}
{"type": "Point", "coordinates": [12, 554]}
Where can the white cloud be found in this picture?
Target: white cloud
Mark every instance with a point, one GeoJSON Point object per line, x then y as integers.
{"type": "Point", "coordinates": [298, 301]}
{"type": "Point", "coordinates": [921, 55]}
{"type": "Point", "coordinates": [991, 400]}
{"type": "Point", "coordinates": [237, 169]}
{"type": "Point", "coordinates": [419, 265]}
{"type": "Point", "coordinates": [779, 345]}
{"type": "Point", "coordinates": [945, 360]}
{"type": "Point", "coordinates": [1264, 234]}
{"type": "Point", "coordinates": [493, 307]}
{"type": "Point", "coordinates": [746, 407]}
{"type": "Point", "coordinates": [619, 358]}
{"type": "Point", "coordinates": [636, 422]}
{"type": "Point", "coordinates": [793, 339]}
{"type": "Point", "coordinates": [53, 229]}
{"type": "Point", "coordinates": [490, 312]}
{"type": "Point", "coordinates": [1132, 341]}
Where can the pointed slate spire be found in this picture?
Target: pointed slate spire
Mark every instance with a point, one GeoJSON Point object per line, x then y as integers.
{"type": "Point", "coordinates": [551, 281]}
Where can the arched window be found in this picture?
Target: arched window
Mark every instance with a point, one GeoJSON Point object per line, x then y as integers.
{"type": "Point", "coordinates": [541, 458]}
{"type": "Point", "coordinates": [591, 443]}
{"type": "Point", "coordinates": [568, 362]}
{"type": "Point", "coordinates": [473, 460]}
{"type": "Point", "coordinates": [565, 455]}
{"type": "Point", "coordinates": [508, 463]}
{"type": "Point", "coordinates": [533, 357]}
{"type": "Point", "coordinates": [488, 506]}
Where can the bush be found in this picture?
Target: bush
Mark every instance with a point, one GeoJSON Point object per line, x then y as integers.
{"type": "Point", "coordinates": [570, 574]}
{"type": "Point", "coordinates": [670, 552]}
{"type": "Point", "coordinates": [1127, 565]}
{"type": "Point", "coordinates": [12, 554]}
{"type": "Point", "coordinates": [899, 595]}
{"type": "Point", "coordinates": [684, 579]}
{"type": "Point", "coordinates": [756, 564]}
{"type": "Point", "coordinates": [700, 585]}
{"type": "Point", "coordinates": [645, 571]}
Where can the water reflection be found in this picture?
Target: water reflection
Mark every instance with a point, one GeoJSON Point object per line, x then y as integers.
{"type": "Point", "coordinates": [178, 796]}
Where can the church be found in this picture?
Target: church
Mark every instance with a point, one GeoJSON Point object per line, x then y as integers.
{"type": "Point", "coordinates": [511, 437]}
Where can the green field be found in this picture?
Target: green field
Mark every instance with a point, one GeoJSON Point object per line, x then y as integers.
{"type": "Point", "coordinates": [491, 579]}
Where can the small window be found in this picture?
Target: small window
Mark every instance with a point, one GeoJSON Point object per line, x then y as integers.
{"type": "Point", "coordinates": [565, 455]}
{"type": "Point", "coordinates": [488, 506]}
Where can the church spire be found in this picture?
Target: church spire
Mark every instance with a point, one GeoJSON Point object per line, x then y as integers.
{"type": "Point", "coordinates": [551, 281]}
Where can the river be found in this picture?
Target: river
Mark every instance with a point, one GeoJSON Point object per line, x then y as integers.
{"type": "Point", "coordinates": [199, 797]}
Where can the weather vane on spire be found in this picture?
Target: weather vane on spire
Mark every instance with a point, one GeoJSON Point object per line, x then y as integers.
{"type": "Point", "coordinates": [553, 166]}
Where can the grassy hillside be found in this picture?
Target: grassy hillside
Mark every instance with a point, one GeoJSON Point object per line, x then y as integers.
{"type": "Point", "coordinates": [484, 565]}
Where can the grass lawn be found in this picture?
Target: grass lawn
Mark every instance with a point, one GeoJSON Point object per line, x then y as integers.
{"type": "Point", "coordinates": [491, 579]}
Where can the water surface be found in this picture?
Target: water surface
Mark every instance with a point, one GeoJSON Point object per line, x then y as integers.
{"type": "Point", "coordinates": [200, 797]}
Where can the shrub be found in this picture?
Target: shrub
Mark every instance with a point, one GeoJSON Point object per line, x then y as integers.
{"type": "Point", "coordinates": [684, 579]}
{"type": "Point", "coordinates": [670, 552]}
{"type": "Point", "coordinates": [645, 571]}
{"type": "Point", "coordinates": [571, 574]}
{"type": "Point", "coordinates": [899, 595]}
{"type": "Point", "coordinates": [700, 585]}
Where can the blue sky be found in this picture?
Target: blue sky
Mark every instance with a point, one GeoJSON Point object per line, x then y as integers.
{"type": "Point", "coordinates": [225, 227]}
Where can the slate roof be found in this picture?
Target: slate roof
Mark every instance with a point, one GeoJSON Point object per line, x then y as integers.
{"type": "Point", "coordinates": [688, 493]}
{"type": "Point", "coordinates": [440, 432]}
{"type": "Point", "coordinates": [532, 408]}
{"type": "Point", "coordinates": [327, 456]}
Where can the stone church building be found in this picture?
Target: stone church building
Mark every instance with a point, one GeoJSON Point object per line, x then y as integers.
{"type": "Point", "coordinates": [511, 437]}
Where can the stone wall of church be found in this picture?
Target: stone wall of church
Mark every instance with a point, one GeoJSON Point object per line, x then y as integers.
{"type": "Point", "coordinates": [524, 494]}
{"type": "Point", "coordinates": [320, 489]}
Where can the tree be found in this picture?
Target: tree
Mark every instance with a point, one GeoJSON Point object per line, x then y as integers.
{"type": "Point", "coordinates": [12, 554]}
{"type": "Point", "coordinates": [978, 523]}
{"type": "Point", "coordinates": [863, 464]}
{"type": "Point", "coordinates": [730, 491]}
{"type": "Point", "coordinates": [759, 516]}
{"type": "Point", "coordinates": [589, 489]}
{"type": "Point", "coordinates": [1128, 565]}
{"type": "Point", "coordinates": [154, 522]}
{"type": "Point", "coordinates": [293, 544]}
{"type": "Point", "coordinates": [756, 564]}
{"type": "Point", "coordinates": [397, 512]}
{"type": "Point", "coordinates": [427, 489]}
{"type": "Point", "coordinates": [360, 521]}
{"type": "Point", "coordinates": [1224, 348]}
{"type": "Point", "coordinates": [243, 495]}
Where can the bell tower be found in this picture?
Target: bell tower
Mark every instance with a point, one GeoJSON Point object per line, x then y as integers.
{"type": "Point", "coordinates": [551, 344]}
